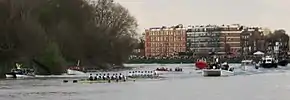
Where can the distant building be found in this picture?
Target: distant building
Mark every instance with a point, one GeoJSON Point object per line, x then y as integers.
{"type": "Point", "coordinates": [214, 38]}
{"type": "Point", "coordinates": [230, 38]}
{"type": "Point", "coordinates": [202, 39]}
{"type": "Point", "coordinates": [165, 41]}
{"type": "Point", "coordinates": [252, 40]}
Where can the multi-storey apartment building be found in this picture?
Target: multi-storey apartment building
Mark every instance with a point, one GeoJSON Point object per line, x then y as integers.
{"type": "Point", "coordinates": [165, 41]}
{"type": "Point", "coordinates": [252, 40]}
{"type": "Point", "coordinates": [203, 39]}
{"type": "Point", "coordinates": [230, 38]}
{"type": "Point", "coordinates": [213, 38]}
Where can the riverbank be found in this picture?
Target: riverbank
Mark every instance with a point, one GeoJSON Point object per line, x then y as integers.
{"type": "Point", "coordinates": [171, 61]}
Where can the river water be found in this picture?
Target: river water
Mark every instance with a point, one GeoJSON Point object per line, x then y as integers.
{"type": "Point", "coordinates": [264, 85]}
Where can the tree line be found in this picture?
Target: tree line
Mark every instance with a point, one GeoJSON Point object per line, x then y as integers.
{"type": "Point", "coordinates": [53, 34]}
{"type": "Point", "coordinates": [264, 42]}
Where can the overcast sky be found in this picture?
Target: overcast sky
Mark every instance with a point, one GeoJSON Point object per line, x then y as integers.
{"type": "Point", "coordinates": [274, 14]}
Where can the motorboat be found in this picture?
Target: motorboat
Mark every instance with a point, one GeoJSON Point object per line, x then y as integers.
{"type": "Point", "coordinates": [268, 62]}
{"type": "Point", "coordinates": [247, 65]}
{"type": "Point", "coordinates": [283, 62]}
{"type": "Point", "coordinates": [75, 71]}
{"type": "Point", "coordinates": [19, 72]}
{"type": "Point", "coordinates": [218, 70]}
{"type": "Point", "coordinates": [168, 71]}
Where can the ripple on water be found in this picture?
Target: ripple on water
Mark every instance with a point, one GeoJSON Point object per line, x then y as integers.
{"type": "Point", "coordinates": [5, 87]}
{"type": "Point", "coordinates": [28, 94]}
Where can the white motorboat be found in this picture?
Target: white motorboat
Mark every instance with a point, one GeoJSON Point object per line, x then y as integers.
{"type": "Point", "coordinates": [248, 65]}
{"type": "Point", "coordinates": [198, 71]}
{"type": "Point", "coordinates": [218, 70]}
{"type": "Point", "coordinates": [20, 72]}
{"type": "Point", "coordinates": [75, 71]}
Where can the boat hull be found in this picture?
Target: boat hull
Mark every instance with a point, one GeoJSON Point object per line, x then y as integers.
{"type": "Point", "coordinates": [74, 72]}
{"type": "Point", "coordinates": [249, 67]}
{"type": "Point", "coordinates": [283, 63]}
{"type": "Point", "coordinates": [11, 75]}
{"type": "Point", "coordinates": [101, 81]}
{"type": "Point", "coordinates": [167, 72]}
{"type": "Point", "coordinates": [269, 65]}
{"type": "Point", "coordinates": [141, 77]}
{"type": "Point", "coordinates": [198, 71]}
{"type": "Point", "coordinates": [216, 72]}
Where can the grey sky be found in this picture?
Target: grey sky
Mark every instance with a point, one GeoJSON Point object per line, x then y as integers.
{"type": "Point", "coordinates": [273, 14]}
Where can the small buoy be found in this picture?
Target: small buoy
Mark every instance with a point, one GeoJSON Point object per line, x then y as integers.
{"type": "Point", "coordinates": [65, 81]}
{"type": "Point", "coordinates": [75, 81]}
{"type": "Point", "coordinates": [133, 80]}
{"type": "Point", "coordinates": [109, 81]}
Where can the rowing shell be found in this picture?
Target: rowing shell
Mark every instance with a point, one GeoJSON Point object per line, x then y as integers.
{"type": "Point", "coordinates": [101, 81]}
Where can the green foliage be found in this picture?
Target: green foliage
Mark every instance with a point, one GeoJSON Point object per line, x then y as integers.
{"type": "Point", "coordinates": [52, 58]}
{"type": "Point", "coordinates": [51, 32]}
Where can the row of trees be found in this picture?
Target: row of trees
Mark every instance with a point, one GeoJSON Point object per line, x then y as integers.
{"type": "Point", "coordinates": [259, 41]}
{"type": "Point", "coordinates": [53, 33]}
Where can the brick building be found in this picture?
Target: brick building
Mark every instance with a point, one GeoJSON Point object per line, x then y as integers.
{"type": "Point", "coordinates": [230, 38]}
{"type": "Point", "coordinates": [165, 41]}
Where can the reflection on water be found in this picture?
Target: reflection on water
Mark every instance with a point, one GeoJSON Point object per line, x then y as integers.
{"type": "Point", "coordinates": [266, 84]}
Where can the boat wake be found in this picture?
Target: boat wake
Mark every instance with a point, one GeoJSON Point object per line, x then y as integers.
{"type": "Point", "coordinates": [263, 71]}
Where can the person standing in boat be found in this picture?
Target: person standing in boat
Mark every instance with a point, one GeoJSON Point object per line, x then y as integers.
{"type": "Point", "coordinates": [225, 66]}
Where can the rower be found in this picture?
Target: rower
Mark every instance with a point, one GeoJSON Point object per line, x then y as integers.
{"type": "Point", "coordinates": [141, 73]}
{"type": "Point", "coordinates": [108, 76]}
{"type": "Point", "coordinates": [91, 77]}
{"type": "Point", "coordinates": [133, 74]}
{"type": "Point", "coordinates": [120, 76]}
{"type": "Point", "coordinates": [111, 77]}
{"type": "Point", "coordinates": [99, 76]}
{"type": "Point", "coordinates": [138, 73]}
{"type": "Point", "coordinates": [96, 77]}
{"type": "Point", "coordinates": [104, 77]}
{"type": "Point", "coordinates": [154, 73]}
{"type": "Point", "coordinates": [114, 76]}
